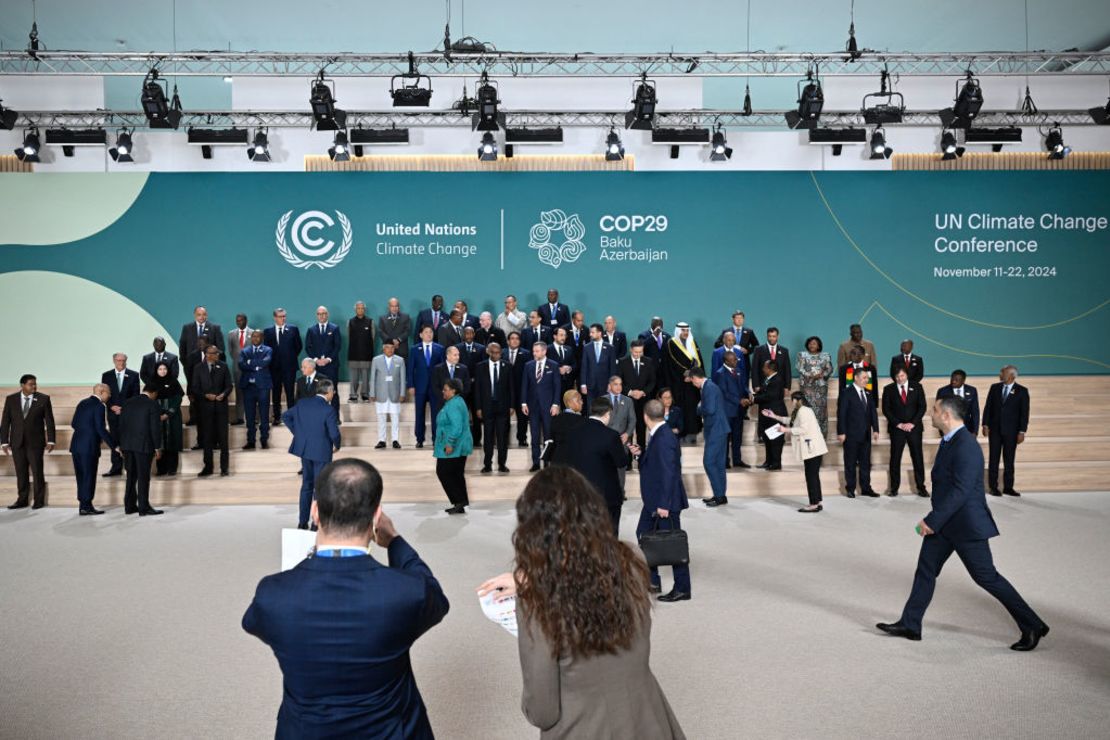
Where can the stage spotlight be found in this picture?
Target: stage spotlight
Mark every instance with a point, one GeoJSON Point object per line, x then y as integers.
{"type": "Point", "coordinates": [30, 149]}
{"type": "Point", "coordinates": [614, 149]}
{"type": "Point", "coordinates": [324, 112]}
{"type": "Point", "coordinates": [949, 147]}
{"type": "Point", "coordinates": [811, 100]}
{"type": "Point", "coordinates": [124, 149]}
{"type": "Point", "coordinates": [1101, 116]}
{"type": "Point", "coordinates": [409, 94]}
{"type": "Point", "coordinates": [643, 106]}
{"type": "Point", "coordinates": [1054, 143]}
{"type": "Point", "coordinates": [8, 117]}
{"type": "Point", "coordinates": [487, 152]}
{"type": "Point", "coordinates": [719, 150]}
{"type": "Point", "coordinates": [159, 112]}
{"type": "Point", "coordinates": [879, 149]}
{"type": "Point", "coordinates": [487, 118]}
{"type": "Point", "coordinates": [340, 149]}
{"type": "Point", "coordinates": [259, 151]}
{"type": "Point", "coordinates": [969, 100]}
{"type": "Point", "coordinates": [674, 151]}
{"type": "Point", "coordinates": [884, 108]}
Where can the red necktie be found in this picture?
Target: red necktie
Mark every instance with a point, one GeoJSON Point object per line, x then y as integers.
{"type": "Point", "coordinates": [772, 353]}
{"type": "Point", "coordinates": [903, 394]}
{"type": "Point", "coordinates": [242, 339]}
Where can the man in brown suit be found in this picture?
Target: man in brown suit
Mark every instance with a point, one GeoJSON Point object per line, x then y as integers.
{"type": "Point", "coordinates": [26, 429]}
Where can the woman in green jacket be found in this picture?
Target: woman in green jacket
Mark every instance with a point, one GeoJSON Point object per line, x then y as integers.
{"type": "Point", "coordinates": [453, 444]}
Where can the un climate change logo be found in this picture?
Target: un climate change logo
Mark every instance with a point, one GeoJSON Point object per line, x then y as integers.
{"type": "Point", "coordinates": [558, 237]}
{"type": "Point", "coordinates": [308, 245]}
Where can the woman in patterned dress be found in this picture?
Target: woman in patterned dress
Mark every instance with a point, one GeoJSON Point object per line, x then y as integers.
{"type": "Point", "coordinates": [814, 368]}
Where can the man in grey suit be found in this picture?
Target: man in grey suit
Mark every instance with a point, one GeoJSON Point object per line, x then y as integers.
{"type": "Point", "coordinates": [622, 419]}
{"type": "Point", "coordinates": [387, 388]}
{"type": "Point", "coordinates": [395, 328]}
{"type": "Point", "coordinates": [238, 339]}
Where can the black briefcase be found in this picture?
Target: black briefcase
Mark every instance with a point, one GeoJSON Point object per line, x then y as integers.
{"type": "Point", "coordinates": [665, 546]}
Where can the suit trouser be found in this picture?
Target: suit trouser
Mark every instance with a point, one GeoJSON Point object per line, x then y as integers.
{"type": "Point", "coordinates": [137, 493]}
{"type": "Point", "coordinates": [256, 403]}
{"type": "Point", "coordinates": [522, 423]}
{"type": "Point", "coordinates": [310, 471]}
{"type": "Point", "coordinates": [898, 441]}
{"type": "Point", "coordinates": [1006, 446]}
{"type": "Point", "coordinates": [496, 429]}
{"type": "Point", "coordinates": [475, 423]}
{"type": "Point", "coordinates": [284, 381]}
{"type": "Point", "coordinates": [772, 447]}
{"type": "Point", "coordinates": [641, 428]}
{"type": "Point", "coordinates": [451, 472]}
{"type": "Point", "coordinates": [28, 465]}
{"type": "Point", "coordinates": [976, 556]}
{"type": "Point", "coordinates": [213, 432]}
{"type": "Point", "coordinates": [615, 518]}
{"type": "Point", "coordinates": [540, 424]}
{"type": "Point", "coordinates": [113, 432]}
{"type": "Point", "coordinates": [422, 399]}
{"type": "Point", "coordinates": [681, 572]}
{"type": "Point", "coordinates": [84, 469]}
{"type": "Point", "coordinates": [391, 409]}
{"type": "Point", "coordinates": [857, 454]}
{"type": "Point", "coordinates": [813, 478]}
{"type": "Point", "coordinates": [713, 459]}
{"type": "Point", "coordinates": [360, 378]}
{"type": "Point", "coordinates": [735, 438]}
{"type": "Point", "coordinates": [239, 395]}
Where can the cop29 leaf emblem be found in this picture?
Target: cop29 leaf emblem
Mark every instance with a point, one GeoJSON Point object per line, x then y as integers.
{"type": "Point", "coordinates": [305, 244]}
{"type": "Point", "coordinates": [558, 237]}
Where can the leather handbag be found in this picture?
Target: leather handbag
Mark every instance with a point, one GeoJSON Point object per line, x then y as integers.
{"type": "Point", "coordinates": [665, 546]}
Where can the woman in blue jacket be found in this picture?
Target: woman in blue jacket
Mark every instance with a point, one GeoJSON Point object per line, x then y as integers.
{"type": "Point", "coordinates": [453, 444]}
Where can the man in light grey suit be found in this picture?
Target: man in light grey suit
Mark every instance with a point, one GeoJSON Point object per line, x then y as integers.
{"type": "Point", "coordinates": [395, 328]}
{"type": "Point", "coordinates": [387, 389]}
{"type": "Point", "coordinates": [238, 339]}
{"type": "Point", "coordinates": [622, 418]}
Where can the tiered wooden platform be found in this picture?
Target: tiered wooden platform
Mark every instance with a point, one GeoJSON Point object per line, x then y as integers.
{"type": "Point", "coordinates": [1067, 448]}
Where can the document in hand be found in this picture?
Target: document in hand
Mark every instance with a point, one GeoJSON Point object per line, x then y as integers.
{"type": "Point", "coordinates": [503, 612]}
{"type": "Point", "coordinates": [772, 432]}
{"type": "Point", "coordinates": [296, 544]}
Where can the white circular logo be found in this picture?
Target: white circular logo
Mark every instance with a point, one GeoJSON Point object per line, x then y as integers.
{"type": "Point", "coordinates": [308, 243]}
{"type": "Point", "coordinates": [557, 238]}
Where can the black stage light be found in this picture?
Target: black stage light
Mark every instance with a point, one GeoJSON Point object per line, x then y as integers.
{"type": "Point", "coordinates": [379, 136]}
{"type": "Point", "coordinates": [340, 149]}
{"type": "Point", "coordinates": [259, 150]}
{"type": "Point", "coordinates": [643, 106]}
{"type": "Point", "coordinates": [1101, 116]}
{"type": "Point", "coordinates": [68, 139]}
{"type": "Point", "coordinates": [487, 118]}
{"type": "Point", "coordinates": [1054, 143]}
{"type": "Point", "coordinates": [969, 100]}
{"type": "Point", "coordinates": [159, 112]}
{"type": "Point", "coordinates": [719, 150]}
{"type": "Point", "coordinates": [674, 151]}
{"type": "Point", "coordinates": [487, 152]}
{"type": "Point", "coordinates": [124, 150]}
{"type": "Point", "coordinates": [879, 149]}
{"type": "Point", "coordinates": [811, 100]}
{"type": "Point", "coordinates": [949, 148]}
{"type": "Point", "coordinates": [8, 117]}
{"type": "Point", "coordinates": [525, 135]}
{"type": "Point", "coordinates": [996, 137]}
{"type": "Point", "coordinates": [509, 151]}
{"type": "Point", "coordinates": [30, 149]}
{"type": "Point", "coordinates": [324, 112]}
{"type": "Point", "coordinates": [886, 106]}
{"type": "Point", "coordinates": [837, 138]}
{"type": "Point", "coordinates": [410, 94]}
{"type": "Point", "coordinates": [614, 149]}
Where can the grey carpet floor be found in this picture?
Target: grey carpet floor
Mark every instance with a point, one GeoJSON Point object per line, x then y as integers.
{"type": "Point", "coordinates": [114, 627]}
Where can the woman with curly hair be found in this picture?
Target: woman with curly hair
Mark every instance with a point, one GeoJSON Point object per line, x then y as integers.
{"type": "Point", "coordinates": [583, 610]}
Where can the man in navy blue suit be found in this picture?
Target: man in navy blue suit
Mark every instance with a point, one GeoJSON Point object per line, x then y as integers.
{"type": "Point", "coordinates": [615, 338]}
{"type": "Point", "coordinates": [423, 357]}
{"type": "Point", "coordinates": [554, 313]}
{"type": "Point", "coordinates": [89, 431]}
{"type": "Point", "coordinates": [1005, 421]}
{"type": "Point", "coordinates": [960, 522]}
{"type": "Point", "coordinates": [322, 343]}
{"type": "Point", "coordinates": [711, 409]}
{"type": "Point", "coordinates": [255, 385]}
{"type": "Point", "coordinates": [732, 379]}
{"type": "Point", "coordinates": [539, 398]}
{"type": "Point", "coordinates": [285, 340]}
{"type": "Point", "coordinates": [599, 363]}
{"type": "Point", "coordinates": [122, 384]}
{"type": "Point", "coordinates": [433, 317]}
{"type": "Point", "coordinates": [857, 425]}
{"type": "Point", "coordinates": [958, 387]}
{"type": "Point", "coordinates": [313, 424]}
{"type": "Point", "coordinates": [663, 492]}
{"type": "Point", "coordinates": [341, 624]}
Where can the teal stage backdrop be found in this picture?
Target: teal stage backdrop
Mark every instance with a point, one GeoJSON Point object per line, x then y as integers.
{"type": "Point", "coordinates": [980, 269]}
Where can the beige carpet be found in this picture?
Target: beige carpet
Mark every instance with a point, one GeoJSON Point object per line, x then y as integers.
{"type": "Point", "coordinates": [114, 627]}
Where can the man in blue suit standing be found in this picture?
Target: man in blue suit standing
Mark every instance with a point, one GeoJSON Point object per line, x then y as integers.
{"type": "Point", "coordinates": [711, 409]}
{"type": "Point", "coordinates": [423, 357]}
{"type": "Point", "coordinates": [255, 384]}
{"type": "Point", "coordinates": [341, 624]}
{"type": "Point", "coordinates": [313, 424]}
{"type": "Point", "coordinates": [285, 341]}
{"type": "Point", "coordinates": [960, 522]}
{"type": "Point", "coordinates": [122, 384]}
{"type": "Point", "coordinates": [732, 379]}
{"type": "Point", "coordinates": [857, 425]}
{"type": "Point", "coordinates": [322, 343]}
{"type": "Point", "coordinates": [599, 363]}
{"type": "Point", "coordinates": [662, 490]}
{"type": "Point", "coordinates": [539, 398]}
{"type": "Point", "coordinates": [89, 431]}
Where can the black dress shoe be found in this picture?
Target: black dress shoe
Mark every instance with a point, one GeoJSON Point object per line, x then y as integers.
{"type": "Point", "coordinates": [814, 510]}
{"type": "Point", "coordinates": [869, 493]}
{"type": "Point", "coordinates": [379, 446]}
{"type": "Point", "coordinates": [773, 467]}
{"type": "Point", "coordinates": [396, 445]}
{"type": "Point", "coordinates": [205, 473]}
{"type": "Point", "coordinates": [922, 493]}
{"type": "Point", "coordinates": [366, 399]}
{"type": "Point", "coordinates": [707, 499]}
{"type": "Point", "coordinates": [224, 473]}
{"type": "Point", "coordinates": [352, 399]}
{"type": "Point", "coordinates": [1010, 492]}
{"type": "Point", "coordinates": [129, 512]}
{"type": "Point", "coordinates": [237, 422]}
{"type": "Point", "coordinates": [486, 469]}
{"type": "Point", "coordinates": [265, 444]}
{"type": "Point", "coordinates": [522, 443]}
{"type": "Point", "coordinates": [37, 505]}
{"type": "Point", "coordinates": [419, 445]}
{"type": "Point", "coordinates": [741, 464]}
{"type": "Point", "coordinates": [897, 629]}
{"type": "Point", "coordinates": [456, 510]}
{"type": "Point", "coordinates": [302, 526]}
{"type": "Point", "coordinates": [502, 469]}
{"type": "Point", "coordinates": [1029, 639]}
{"type": "Point", "coordinates": [112, 474]}
{"type": "Point", "coordinates": [763, 466]}
{"type": "Point", "coordinates": [717, 501]}
{"type": "Point", "coordinates": [655, 589]}
{"type": "Point", "coordinates": [89, 511]}
{"type": "Point", "coordinates": [276, 422]}
{"type": "Point", "coordinates": [312, 527]}
{"type": "Point", "coordinates": [150, 512]}
{"type": "Point", "coordinates": [728, 466]}
{"type": "Point", "coordinates": [195, 447]}
{"type": "Point", "coordinates": [19, 505]}
{"type": "Point", "coordinates": [674, 595]}
{"type": "Point", "coordinates": [850, 494]}
{"type": "Point", "coordinates": [534, 468]}
{"type": "Point", "coordinates": [994, 492]}
{"type": "Point", "coordinates": [249, 446]}
{"type": "Point", "coordinates": [892, 493]}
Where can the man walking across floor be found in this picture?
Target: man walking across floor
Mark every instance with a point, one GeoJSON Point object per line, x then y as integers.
{"type": "Point", "coordinates": [254, 387]}
{"type": "Point", "coordinates": [89, 430]}
{"type": "Point", "coordinates": [711, 408]}
{"type": "Point", "coordinates": [140, 438]}
{"type": "Point", "coordinates": [387, 391]}
{"type": "Point", "coordinates": [857, 425]}
{"type": "Point", "coordinates": [26, 431]}
{"type": "Point", "coordinates": [1005, 421]}
{"type": "Point", "coordinates": [960, 522]}
{"type": "Point", "coordinates": [313, 424]}
{"type": "Point", "coordinates": [904, 408]}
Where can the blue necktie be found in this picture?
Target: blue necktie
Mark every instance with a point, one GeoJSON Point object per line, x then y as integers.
{"type": "Point", "coordinates": [597, 352]}
{"type": "Point", "coordinates": [427, 354]}
{"type": "Point", "coordinates": [1005, 393]}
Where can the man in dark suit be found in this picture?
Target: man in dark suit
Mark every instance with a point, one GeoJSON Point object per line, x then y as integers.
{"type": "Point", "coordinates": [140, 438]}
{"type": "Point", "coordinates": [451, 333]}
{"type": "Point", "coordinates": [846, 373]}
{"type": "Point", "coordinates": [255, 385]}
{"type": "Point", "coordinates": [433, 317]}
{"type": "Point", "coordinates": [470, 354]}
{"type": "Point", "coordinates": [904, 408]}
{"type": "Point", "coordinates": [488, 332]}
{"type": "Point", "coordinates": [539, 398]}
{"type": "Point", "coordinates": [536, 331]}
{"type": "Point", "coordinates": [395, 327]}
{"type": "Point", "coordinates": [565, 357]}
{"type": "Point", "coordinates": [322, 342]}
{"type": "Point", "coordinates": [189, 363]}
{"type": "Point", "coordinates": [960, 522]}
{"type": "Point", "coordinates": [493, 400]}
{"type": "Point", "coordinates": [908, 361]}
{"type": "Point", "coordinates": [210, 389]}
{"type": "Point", "coordinates": [578, 336]}
{"type": "Point", "coordinates": [1005, 421]}
{"type": "Point", "coordinates": [344, 653]}
{"type": "Point", "coordinates": [465, 317]}
{"type": "Point", "coordinates": [423, 357]}
{"type": "Point", "coordinates": [199, 327]}
{"type": "Point", "coordinates": [360, 353]}
{"type": "Point", "coordinates": [596, 451]}
{"type": "Point", "coordinates": [449, 369]}
{"type": "Point", "coordinates": [857, 425]}
{"type": "Point", "coordinates": [123, 384]}
{"type": "Point", "coordinates": [638, 379]}
{"type": "Point", "coordinates": [305, 385]}
{"type": "Point", "coordinates": [516, 358]}
{"type": "Point", "coordinates": [554, 313]}
{"type": "Point", "coordinates": [315, 429]}
{"type": "Point", "coordinates": [26, 430]}
{"type": "Point", "coordinates": [285, 341]}
{"type": "Point", "coordinates": [663, 492]}
{"type": "Point", "coordinates": [599, 363]}
{"type": "Point", "coordinates": [615, 338]}
{"type": "Point", "coordinates": [655, 340]}
{"type": "Point", "coordinates": [745, 337]}
{"type": "Point", "coordinates": [564, 427]}
{"type": "Point", "coordinates": [769, 397]}
{"type": "Point", "coordinates": [151, 360]}
{"type": "Point", "coordinates": [89, 430]}
{"type": "Point", "coordinates": [958, 387]}
{"type": "Point", "coordinates": [732, 379]}
{"type": "Point", "coordinates": [777, 354]}
{"type": "Point", "coordinates": [711, 408]}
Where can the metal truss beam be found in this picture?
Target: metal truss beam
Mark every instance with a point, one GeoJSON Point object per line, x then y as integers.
{"type": "Point", "coordinates": [518, 64]}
